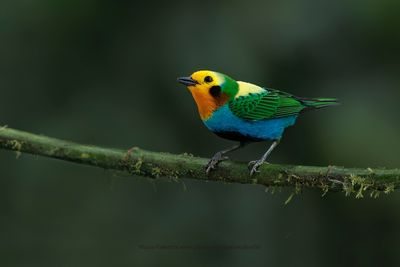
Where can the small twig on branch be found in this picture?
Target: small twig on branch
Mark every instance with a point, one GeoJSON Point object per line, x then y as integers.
{"type": "Point", "coordinates": [156, 164]}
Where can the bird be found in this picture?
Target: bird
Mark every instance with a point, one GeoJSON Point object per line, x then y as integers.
{"type": "Point", "coordinates": [245, 112]}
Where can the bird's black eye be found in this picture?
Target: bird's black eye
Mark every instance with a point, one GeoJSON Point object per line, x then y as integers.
{"type": "Point", "coordinates": [215, 91]}
{"type": "Point", "coordinates": [208, 79]}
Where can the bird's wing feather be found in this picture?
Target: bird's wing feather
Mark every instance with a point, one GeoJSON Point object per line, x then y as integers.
{"type": "Point", "coordinates": [268, 104]}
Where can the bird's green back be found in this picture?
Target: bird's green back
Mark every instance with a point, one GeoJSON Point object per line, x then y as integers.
{"type": "Point", "coordinates": [268, 104]}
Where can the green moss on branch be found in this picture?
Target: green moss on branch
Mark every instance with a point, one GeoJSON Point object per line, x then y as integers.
{"type": "Point", "coordinates": [156, 164]}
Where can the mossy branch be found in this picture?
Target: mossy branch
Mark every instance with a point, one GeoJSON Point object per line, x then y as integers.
{"type": "Point", "coordinates": [155, 164]}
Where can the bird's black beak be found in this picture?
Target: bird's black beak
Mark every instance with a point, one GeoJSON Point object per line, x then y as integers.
{"type": "Point", "coordinates": [188, 81]}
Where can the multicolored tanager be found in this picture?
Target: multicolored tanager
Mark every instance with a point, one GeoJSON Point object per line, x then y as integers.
{"type": "Point", "coordinates": [245, 112]}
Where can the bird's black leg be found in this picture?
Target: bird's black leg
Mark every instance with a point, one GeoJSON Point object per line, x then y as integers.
{"type": "Point", "coordinates": [219, 156]}
{"type": "Point", "coordinates": [255, 164]}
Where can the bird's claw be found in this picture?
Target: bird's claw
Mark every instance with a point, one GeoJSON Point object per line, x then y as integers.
{"type": "Point", "coordinates": [214, 161]}
{"type": "Point", "coordinates": [254, 165]}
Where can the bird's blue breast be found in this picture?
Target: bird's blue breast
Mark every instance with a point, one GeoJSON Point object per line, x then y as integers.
{"type": "Point", "coordinates": [224, 121]}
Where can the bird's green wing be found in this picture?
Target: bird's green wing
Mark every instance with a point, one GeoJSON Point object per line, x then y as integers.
{"type": "Point", "coordinates": [269, 104]}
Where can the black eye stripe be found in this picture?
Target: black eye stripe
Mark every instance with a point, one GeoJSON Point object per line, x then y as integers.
{"type": "Point", "coordinates": [215, 91]}
{"type": "Point", "coordinates": [208, 79]}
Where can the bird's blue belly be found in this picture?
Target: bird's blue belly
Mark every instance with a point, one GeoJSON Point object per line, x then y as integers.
{"type": "Point", "coordinates": [224, 121]}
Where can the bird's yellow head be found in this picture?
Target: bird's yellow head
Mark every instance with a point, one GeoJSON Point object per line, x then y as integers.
{"type": "Point", "coordinates": [210, 90]}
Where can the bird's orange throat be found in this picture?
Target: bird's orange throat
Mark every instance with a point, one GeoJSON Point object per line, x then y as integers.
{"type": "Point", "coordinates": [206, 103]}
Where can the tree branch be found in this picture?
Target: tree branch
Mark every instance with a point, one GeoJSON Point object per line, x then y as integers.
{"type": "Point", "coordinates": [154, 164]}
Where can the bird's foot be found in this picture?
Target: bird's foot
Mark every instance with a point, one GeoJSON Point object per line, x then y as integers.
{"type": "Point", "coordinates": [254, 165]}
{"type": "Point", "coordinates": [214, 161]}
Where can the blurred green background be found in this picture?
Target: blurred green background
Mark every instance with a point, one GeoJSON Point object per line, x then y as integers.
{"type": "Point", "coordinates": [104, 73]}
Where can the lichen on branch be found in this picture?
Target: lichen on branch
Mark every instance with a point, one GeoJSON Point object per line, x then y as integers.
{"type": "Point", "coordinates": [352, 181]}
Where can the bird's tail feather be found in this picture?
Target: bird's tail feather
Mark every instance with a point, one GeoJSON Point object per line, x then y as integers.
{"type": "Point", "coordinates": [317, 103]}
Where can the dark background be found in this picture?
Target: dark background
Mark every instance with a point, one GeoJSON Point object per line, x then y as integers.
{"type": "Point", "coordinates": [104, 73]}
